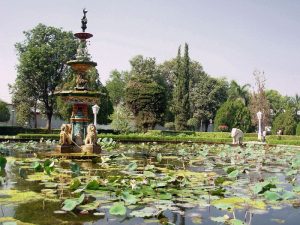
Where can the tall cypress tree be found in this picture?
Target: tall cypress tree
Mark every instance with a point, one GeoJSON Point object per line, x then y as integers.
{"type": "Point", "coordinates": [181, 94]}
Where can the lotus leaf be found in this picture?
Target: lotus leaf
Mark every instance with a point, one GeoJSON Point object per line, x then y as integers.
{"type": "Point", "coordinates": [75, 183]}
{"type": "Point", "coordinates": [118, 208]}
{"type": "Point", "coordinates": [92, 185]}
{"type": "Point", "coordinates": [90, 206]}
{"type": "Point", "coordinates": [131, 166]}
{"type": "Point", "coordinates": [272, 196]}
{"type": "Point", "coordinates": [145, 212]}
{"type": "Point", "coordinates": [238, 202]}
{"type": "Point", "coordinates": [129, 198]}
{"type": "Point", "coordinates": [70, 204]}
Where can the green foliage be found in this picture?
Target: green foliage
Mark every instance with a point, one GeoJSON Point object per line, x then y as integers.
{"type": "Point", "coordinates": [286, 122]}
{"type": "Point", "coordinates": [277, 101]}
{"type": "Point", "coordinates": [145, 93]}
{"type": "Point", "coordinates": [193, 123]}
{"type": "Point", "coordinates": [206, 96]}
{"type": "Point", "coordinates": [3, 162]}
{"type": "Point", "coordinates": [107, 144]}
{"type": "Point", "coordinates": [70, 204]}
{"type": "Point", "coordinates": [181, 92]}
{"type": "Point", "coordinates": [116, 86]}
{"type": "Point", "coordinates": [237, 92]}
{"type": "Point", "coordinates": [118, 208]}
{"type": "Point", "coordinates": [298, 129]}
{"type": "Point", "coordinates": [121, 119]}
{"type": "Point", "coordinates": [170, 125]}
{"type": "Point", "coordinates": [41, 68]}
{"type": "Point", "coordinates": [4, 112]}
{"type": "Point", "coordinates": [233, 114]}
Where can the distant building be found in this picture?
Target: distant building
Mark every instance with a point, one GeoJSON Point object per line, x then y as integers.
{"type": "Point", "coordinates": [56, 122]}
{"type": "Point", "coordinates": [12, 119]}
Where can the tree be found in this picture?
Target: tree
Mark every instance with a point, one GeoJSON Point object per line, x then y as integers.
{"type": "Point", "coordinates": [121, 119]}
{"type": "Point", "coordinates": [236, 92]}
{"type": "Point", "coordinates": [259, 101]}
{"type": "Point", "coordinates": [286, 122]}
{"type": "Point", "coordinates": [206, 96]}
{"type": "Point", "coordinates": [4, 112]}
{"type": "Point", "coordinates": [145, 93]}
{"type": "Point", "coordinates": [181, 89]}
{"type": "Point", "coordinates": [233, 114]}
{"type": "Point", "coordinates": [42, 65]}
{"type": "Point", "coordinates": [116, 86]}
{"type": "Point", "coordinates": [277, 102]}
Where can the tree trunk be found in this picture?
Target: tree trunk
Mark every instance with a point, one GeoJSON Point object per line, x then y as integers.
{"type": "Point", "coordinates": [49, 118]}
{"type": "Point", "coordinates": [35, 117]}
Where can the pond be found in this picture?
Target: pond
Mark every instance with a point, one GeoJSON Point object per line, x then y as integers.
{"type": "Point", "coordinates": [182, 184]}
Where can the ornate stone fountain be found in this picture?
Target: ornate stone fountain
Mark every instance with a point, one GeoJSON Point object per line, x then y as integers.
{"type": "Point", "coordinates": [79, 136]}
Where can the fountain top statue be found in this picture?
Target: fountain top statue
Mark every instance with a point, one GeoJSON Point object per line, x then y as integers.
{"type": "Point", "coordinates": [84, 20]}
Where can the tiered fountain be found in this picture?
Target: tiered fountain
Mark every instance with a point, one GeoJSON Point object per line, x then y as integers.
{"type": "Point", "coordinates": [79, 136]}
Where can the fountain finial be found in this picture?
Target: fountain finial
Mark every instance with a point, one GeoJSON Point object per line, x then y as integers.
{"type": "Point", "coordinates": [84, 20]}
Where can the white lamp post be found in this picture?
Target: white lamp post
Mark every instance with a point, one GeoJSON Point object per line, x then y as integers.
{"type": "Point", "coordinates": [95, 112]}
{"type": "Point", "coordinates": [12, 117]}
{"type": "Point", "coordinates": [259, 116]}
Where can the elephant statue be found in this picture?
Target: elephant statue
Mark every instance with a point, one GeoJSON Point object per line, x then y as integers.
{"type": "Point", "coordinates": [237, 136]}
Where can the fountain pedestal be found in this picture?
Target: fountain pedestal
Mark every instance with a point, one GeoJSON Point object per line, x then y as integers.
{"type": "Point", "coordinates": [80, 136]}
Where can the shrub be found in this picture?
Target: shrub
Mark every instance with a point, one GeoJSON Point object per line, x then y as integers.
{"type": "Point", "coordinates": [285, 122]}
{"type": "Point", "coordinates": [193, 123]}
{"type": "Point", "coordinates": [4, 112]}
{"type": "Point", "coordinates": [233, 114]}
{"type": "Point", "coordinates": [298, 129]}
{"type": "Point", "coordinates": [170, 125]}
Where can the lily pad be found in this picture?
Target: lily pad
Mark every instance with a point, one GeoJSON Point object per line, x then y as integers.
{"type": "Point", "coordinates": [145, 212]}
{"type": "Point", "coordinates": [272, 196]}
{"type": "Point", "coordinates": [118, 209]}
{"type": "Point", "coordinates": [129, 198]}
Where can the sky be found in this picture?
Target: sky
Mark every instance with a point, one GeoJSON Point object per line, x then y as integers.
{"type": "Point", "coordinates": [230, 38]}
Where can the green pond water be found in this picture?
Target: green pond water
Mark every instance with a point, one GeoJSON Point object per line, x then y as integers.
{"type": "Point", "coordinates": [182, 184]}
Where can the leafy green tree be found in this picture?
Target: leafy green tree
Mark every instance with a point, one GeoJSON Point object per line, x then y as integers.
{"type": "Point", "coordinates": [42, 65]}
{"type": "Point", "coordinates": [181, 91]}
{"type": "Point", "coordinates": [193, 123]}
{"type": "Point", "coordinates": [116, 86]}
{"type": "Point", "coordinates": [277, 102]}
{"type": "Point", "coordinates": [236, 92]}
{"type": "Point", "coordinates": [298, 129]}
{"type": "Point", "coordinates": [206, 96]}
{"type": "Point", "coordinates": [167, 72]}
{"type": "Point", "coordinates": [286, 122]}
{"type": "Point", "coordinates": [233, 114]}
{"type": "Point", "coordinates": [122, 119]}
{"type": "Point", "coordinates": [145, 93]}
{"type": "Point", "coordinates": [4, 112]}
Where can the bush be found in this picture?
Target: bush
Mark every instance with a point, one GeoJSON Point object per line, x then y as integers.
{"type": "Point", "coordinates": [170, 125]}
{"type": "Point", "coordinates": [298, 129]}
{"type": "Point", "coordinates": [285, 122]}
{"type": "Point", "coordinates": [4, 112]}
{"type": "Point", "coordinates": [233, 114]}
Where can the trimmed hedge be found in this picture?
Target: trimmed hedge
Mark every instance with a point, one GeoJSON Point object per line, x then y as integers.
{"type": "Point", "coordinates": [205, 137]}
{"type": "Point", "coordinates": [39, 136]}
{"type": "Point", "coordinates": [13, 130]}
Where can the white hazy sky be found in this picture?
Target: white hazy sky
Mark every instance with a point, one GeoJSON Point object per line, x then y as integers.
{"type": "Point", "coordinates": [229, 38]}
